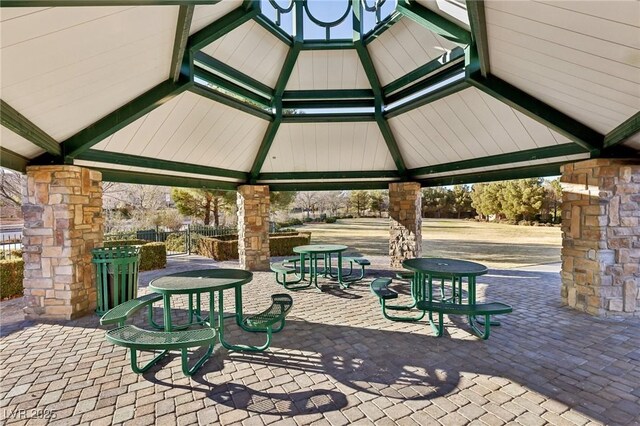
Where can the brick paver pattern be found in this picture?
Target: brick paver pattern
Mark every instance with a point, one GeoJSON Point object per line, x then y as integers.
{"type": "Point", "coordinates": [338, 362]}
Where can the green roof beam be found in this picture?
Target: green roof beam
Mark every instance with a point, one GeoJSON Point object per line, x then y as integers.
{"type": "Point", "coordinates": [539, 111]}
{"type": "Point", "coordinates": [275, 30]}
{"type": "Point", "coordinates": [625, 130]}
{"type": "Point", "coordinates": [265, 146]}
{"type": "Point", "coordinates": [328, 118]}
{"type": "Point", "coordinates": [478, 23]}
{"type": "Point", "coordinates": [434, 22]}
{"type": "Point", "coordinates": [222, 26]}
{"type": "Point", "coordinates": [552, 169]}
{"type": "Point", "coordinates": [438, 64]}
{"type": "Point", "coordinates": [230, 102]}
{"type": "Point", "coordinates": [500, 159]}
{"type": "Point", "coordinates": [327, 94]}
{"type": "Point", "coordinates": [12, 160]}
{"type": "Point", "coordinates": [19, 124]}
{"type": "Point", "coordinates": [234, 75]}
{"type": "Point", "coordinates": [185, 16]}
{"type": "Point", "coordinates": [363, 174]}
{"type": "Point", "coordinates": [327, 45]}
{"type": "Point", "coordinates": [381, 28]}
{"type": "Point", "coordinates": [111, 175]}
{"type": "Point", "coordinates": [155, 163]}
{"type": "Point", "coordinates": [329, 103]}
{"type": "Point", "coordinates": [329, 186]}
{"type": "Point", "coordinates": [242, 94]}
{"type": "Point", "coordinates": [123, 116]}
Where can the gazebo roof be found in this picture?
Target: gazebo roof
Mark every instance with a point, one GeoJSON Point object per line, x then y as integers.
{"type": "Point", "coordinates": [215, 94]}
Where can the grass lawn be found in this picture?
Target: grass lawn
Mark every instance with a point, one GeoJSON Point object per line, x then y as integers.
{"type": "Point", "coordinates": [493, 244]}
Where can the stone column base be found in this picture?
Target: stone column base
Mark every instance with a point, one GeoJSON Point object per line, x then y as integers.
{"type": "Point", "coordinates": [253, 227]}
{"type": "Point", "coordinates": [405, 222]}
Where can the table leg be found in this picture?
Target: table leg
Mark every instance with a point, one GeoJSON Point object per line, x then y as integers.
{"type": "Point", "coordinates": [472, 299]}
{"type": "Point", "coordinates": [167, 311]}
{"type": "Point", "coordinates": [314, 273]}
{"type": "Point", "coordinates": [345, 285]}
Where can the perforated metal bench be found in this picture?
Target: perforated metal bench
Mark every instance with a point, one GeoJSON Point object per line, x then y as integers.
{"type": "Point", "coordinates": [361, 262]}
{"type": "Point", "coordinates": [284, 269]}
{"type": "Point", "coordinates": [379, 287]}
{"type": "Point", "coordinates": [281, 304]}
{"type": "Point", "coordinates": [120, 313]}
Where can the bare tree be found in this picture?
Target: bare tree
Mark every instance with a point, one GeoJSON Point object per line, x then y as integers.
{"type": "Point", "coordinates": [11, 184]}
{"type": "Point", "coordinates": [307, 201]}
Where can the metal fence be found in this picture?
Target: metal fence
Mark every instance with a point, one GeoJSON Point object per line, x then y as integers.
{"type": "Point", "coordinates": [10, 239]}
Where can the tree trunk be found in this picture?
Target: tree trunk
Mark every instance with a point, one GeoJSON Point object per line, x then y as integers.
{"type": "Point", "coordinates": [207, 210]}
{"type": "Point", "coordinates": [216, 212]}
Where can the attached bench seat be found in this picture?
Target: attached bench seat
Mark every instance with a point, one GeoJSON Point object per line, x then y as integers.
{"type": "Point", "coordinates": [360, 261]}
{"type": "Point", "coordinates": [477, 309]}
{"type": "Point", "coordinates": [283, 270]}
{"type": "Point", "coordinates": [379, 288]}
{"type": "Point", "coordinates": [264, 322]}
{"type": "Point", "coordinates": [137, 339]}
{"type": "Point", "coordinates": [120, 313]}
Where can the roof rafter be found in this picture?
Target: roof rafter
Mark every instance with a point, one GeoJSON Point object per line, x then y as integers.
{"type": "Point", "coordinates": [278, 32]}
{"type": "Point", "coordinates": [539, 111]}
{"type": "Point", "coordinates": [628, 128]}
{"type": "Point", "coordinates": [155, 163]}
{"type": "Point", "coordinates": [552, 169]}
{"type": "Point", "coordinates": [185, 16]}
{"type": "Point", "coordinates": [477, 21]}
{"type": "Point", "coordinates": [123, 116]}
{"type": "Point", "coordinates": [222, 26]}
{"type": "Point", "coordinates": [243, 95]}
{"type": "Point", "coordinates": [381, 28]}
{"type": "Point", "coordinates": [374, 81]}
{"type": "Point", "coordinates": [230, 102]}
{"type": "Point", "coordinates": [12, 160]}
{"type": "Point", "coordinates": [364, 174]}
{"type": "Point", "coordinates": [19, 124]}
{"type": "Point", "coordinates": [496, 160]}
{"type": "Point", "coordinates": [434, 22]}
{"type": "Point", "coordinates": [329, 186]}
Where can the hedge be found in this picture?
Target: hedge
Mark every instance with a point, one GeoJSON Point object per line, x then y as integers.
{"type": "Point", "coordinates": [226, 247]}
{"type": "Point", "coordinates": [152, 255]}
{"type": "Point", "coordinates": [11, 277]}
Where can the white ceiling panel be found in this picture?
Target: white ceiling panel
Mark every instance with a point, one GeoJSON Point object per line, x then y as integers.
{"type": "Point", "coordinates": [109, 166]}
{"type": "Point", "coordinates": [403, 48]}
{"type": "Point", "coordinates": [65, 68]}
{"type": "Point", "coordinates": [633, 142]}
{"type": "Point", "coordinates": [204, 15]}
{"type": "Point", "coordinates": [328, 147]}
{"type": "Point", "coordinates": [16, 143]}
{"type": "Point", "coordinates": [582, 58]}
{"type": "Point", "coordinates": [328, 69]}
{"type": "Point", "coordinates": [456, 9]}
{"type": "Point", "coordinates": [251, 50]}
{"type": "Point", "coordinates": [192, 129]}
{"type": "Point", "coordinates": [467, 124]}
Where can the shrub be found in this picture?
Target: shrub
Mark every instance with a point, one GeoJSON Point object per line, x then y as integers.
{"type": "Point", "coordinates": [10, 254]}
{"type": "Point", "coordinates": [307, 220]}
{"type": "Point", "coordinates": [11, 277]}
{"type": "Point", "coordinates": [175, 242]}
{"type": "Point", "coordinates": [330, 220]}
{"type": "Point", "coordinates": [153, 256]}
{"type": "Point", "coordinates": [282, 245]}
{"type": "Point", "coordinates": [224, 247]}
{"type": "Point", "coordinates": [288, 223]}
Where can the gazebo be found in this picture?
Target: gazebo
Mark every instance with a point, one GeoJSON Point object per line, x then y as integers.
{"type": "Point", "coordinates": [274, 95]}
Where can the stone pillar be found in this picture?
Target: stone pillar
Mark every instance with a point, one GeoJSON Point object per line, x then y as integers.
{"type": "Point", "coordinates": [601, 236]}
{"type": "Point", "coordinates": [253, 227]}
{"type": "Point", "coordinates": [62, 222]}
{"type": "Point", "coordinates": [405, 222]}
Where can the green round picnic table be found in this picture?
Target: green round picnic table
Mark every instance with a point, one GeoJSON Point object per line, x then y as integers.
{"type": "Point", "coordinates": [313, 251]}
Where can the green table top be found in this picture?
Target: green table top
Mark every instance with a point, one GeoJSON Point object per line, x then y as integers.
{"type": "Point", "coordinates": [199, 281]}
{"type": "Point", "coordinates": [320, 248]}
{"type": "Point", "coordinates": [445, 267]}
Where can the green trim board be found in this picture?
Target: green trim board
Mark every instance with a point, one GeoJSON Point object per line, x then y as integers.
{"type": "Point", "coordinates": [381, 28]}
{"type": "Point", "coordinates": [542, 170]}
{"type": "Point", "coordinates": [327, 45]}
{"type": "Point", "coordinates": [155, 163]}
{"type": "Point", "coordinates": [78, 3]}
{"type": "Point", "coordinates": [265, 146]}
{"type": "Point", "coordinates": [111, 175]}
{"type": "Point", "coordinates": [327, 94]}
{"type": "Point", "coordinates": [12, 160]}
{"type": "Point", "coordinates": [496, 160]}
{"type": "Point", "coordinates": [19, 124]}
{"type": "Point", "coordinates": [287, 69]}
{"type": "Point", "coordinates": [328, 118]}
{"type": "Point", "coordinates": [446, 60]}
{"type": "Point", "coordinates": [329, 186]}
{"type": "Point", "coordinates": [239, 92]}
{"type": "Point", "coordinates": [328, 103]}
{"type": "Point", "coordinates": [363, 174]}
{"type": "Point", "coordinates": [539, 111]}
{"type": "Point", "coordinates": [230, 102]}
{"type": "Point", "coordinates": [185, 16]}
{"type": "Point", "coordinates": [123, 116]}
{"type": "Point", "coordinates": [434, 22]}
{"type": "Point", "coordinates": [234, 75]}
{"type": "Point", "coordinates": [478, 24]}
{"type": "Point", "coordinates": [432, 96]}
{"type": "Point", "coordinates": [628, 128]}
{"type": "Point", "coordinates": [220, 27]}
{"type": "Point", "coordinates": [278, 32]}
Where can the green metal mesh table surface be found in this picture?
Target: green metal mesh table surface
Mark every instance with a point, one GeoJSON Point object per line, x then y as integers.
{"type": "Point", "coordinates": [439, 266]}
{"type": "Point", "coordinates": [320, 248]}
{"type": "Point", "coordinates": [200, 281]}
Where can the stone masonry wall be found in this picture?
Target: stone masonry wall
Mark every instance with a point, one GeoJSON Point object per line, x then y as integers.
{"type": "Point", "coordinates": [62, 222]}
{"type": "Point", "coordinates": [601, 237]}
{"type": "Point", "coordinates": [253, 227]}
{"type": "Point", "coordinates": [405, 222]}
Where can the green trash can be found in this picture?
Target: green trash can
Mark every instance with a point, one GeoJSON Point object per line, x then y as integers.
{"type": "Point", "coordinates": [116, 275]}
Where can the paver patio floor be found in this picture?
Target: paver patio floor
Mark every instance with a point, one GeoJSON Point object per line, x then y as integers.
{"type": "Point", "coordinates": [338, 361]}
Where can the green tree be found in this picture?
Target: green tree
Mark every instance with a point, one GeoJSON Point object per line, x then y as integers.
{"type": "Point", "coordinates": [281, 200]}
{"type": "Point", "coordinates": [461, 199]}
{"type": "Point", "coordinates": [360, 200]}
{"type": "Point", "coordinates": [202, 203]}
{"type": "Point", "coordinates": [378, 201]}
{"type": "Point", "coordinates": [552, 198]}
{"type": "Point", "coordinates": [486, 199]}
{"type": "Point", "coordinates": [436, 202]}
